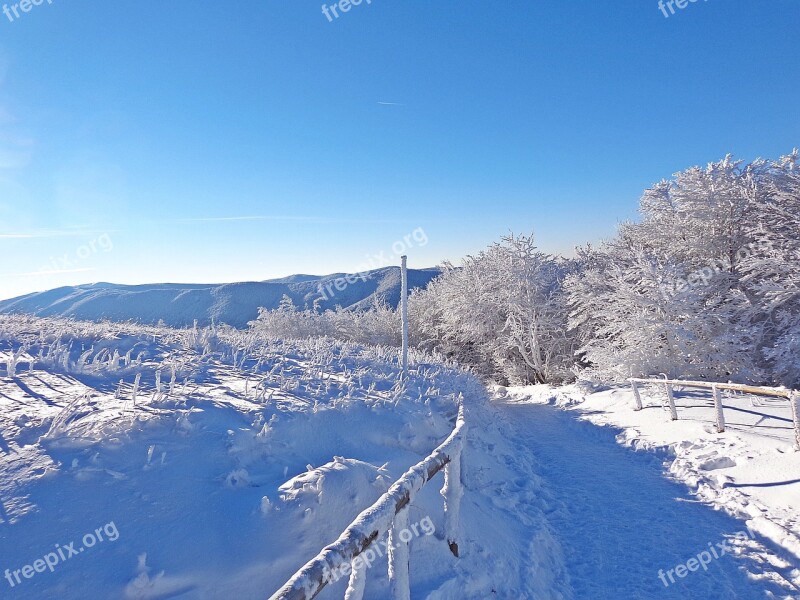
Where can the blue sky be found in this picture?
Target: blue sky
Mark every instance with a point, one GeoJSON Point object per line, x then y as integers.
{"type": "Point", "coordinates": [195, 141]}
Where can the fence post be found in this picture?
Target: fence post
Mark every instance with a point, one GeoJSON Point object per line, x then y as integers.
{"type": "Point", "coordinates": [452, 493]}
{"type": "Point", "coordinates": [794, 400]}
{"type": "Point", "coordinates": [358, 580]}
{"type": "Point", "coordinates": [718, 407]}
{"type": "Point", "coordinates": [636, 395]}
{"type": "Point", "coordinates": [671, 399]}
{"type": "Point", "coordinates": [398, 557]}
{"type": "Point", "coordinates": [404, 310]}
{"type": "Point", "coordinates": [453, 490]}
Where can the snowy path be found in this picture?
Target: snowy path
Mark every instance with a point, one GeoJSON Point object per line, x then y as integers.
{"type": "Point", "coordinates": [620, 521]}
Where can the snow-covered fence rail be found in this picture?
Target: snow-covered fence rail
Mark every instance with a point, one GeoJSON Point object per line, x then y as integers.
{"type": "Point", "coordinates": [791, 395]}
{"type": "Point", "coordinates": [388, 515]}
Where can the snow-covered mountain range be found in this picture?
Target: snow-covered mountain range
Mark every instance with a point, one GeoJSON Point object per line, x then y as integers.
{"type": "Point", "coordinates": [236, 304]}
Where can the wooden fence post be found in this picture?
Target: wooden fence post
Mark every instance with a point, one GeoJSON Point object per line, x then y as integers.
{"type": "Point", "coordinates": [636, 395]}
{"type": "Point", "coordinates": [452, 493]}
{"type": "Point", "coordinates": [794, 399]}
{"type": "Point", "coordinates": [398, 558]}
{"type": "Point", "coordinates": [718, 407]}
{"type": "Point", "coordinates": [671, 399]}
{"type": "Point", "coordinates": [358, 580]}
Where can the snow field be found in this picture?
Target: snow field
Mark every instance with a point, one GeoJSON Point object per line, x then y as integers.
{"type": "Point", "coordinates": [226, 477]}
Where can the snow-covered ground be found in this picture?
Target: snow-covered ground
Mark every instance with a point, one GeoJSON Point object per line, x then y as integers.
{"type": "Point", "coordinates": [147, 462]}
{"type": "Point", "coordinates": [222, 480]}
{"type": "Point", "coordinates": [751, 472]}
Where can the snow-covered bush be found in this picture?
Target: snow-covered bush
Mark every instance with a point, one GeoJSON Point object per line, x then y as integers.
{"type": "Point", "coordinates": [503, 313]}
{"type": "Point", "coordinates": [379, 325]}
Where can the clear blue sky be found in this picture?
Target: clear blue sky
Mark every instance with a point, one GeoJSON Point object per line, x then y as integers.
{"type": "Point", "coordinates": [160, 125]}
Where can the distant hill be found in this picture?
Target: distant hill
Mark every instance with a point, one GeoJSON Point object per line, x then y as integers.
{"type": "Point", "coordinates": [179, 305]}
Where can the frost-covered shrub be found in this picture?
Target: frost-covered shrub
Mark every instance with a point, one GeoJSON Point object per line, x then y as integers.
{"type": "Point", "coordinates": [379, 325]}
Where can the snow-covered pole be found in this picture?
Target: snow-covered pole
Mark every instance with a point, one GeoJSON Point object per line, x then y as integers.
{"type": "Point", "coordinates": [673, 412]}
{"type": "Point", "coordinates": [358, 580]}
{"type": "Point", "coordinates": [452, 493]}
{"type": "Point", "coordinates": [636, 395]}
{"type": "Point", "coordinates": [399, 581]}
{"type": "Point", "coordinates": [794, 400]}
{"type": "Point", "coordinates": [718, 407]}
{"type": "Point", "coordinates": [404, 310]}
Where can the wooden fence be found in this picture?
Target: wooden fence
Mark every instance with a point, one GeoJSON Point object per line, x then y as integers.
{"type": "Point", "coordinates": [389, 515]}
{"type": "Point", "coordinates": [791, 395]}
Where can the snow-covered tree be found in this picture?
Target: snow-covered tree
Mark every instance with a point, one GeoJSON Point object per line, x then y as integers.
{"type": "Point", "coordinates": [703, 285]}
{"type": "Point", "coordinates": [636, 316]}
{"type": "Point", "coordinates": [503, 312]}
{"type": "Point", "coordinates": [772, 271]}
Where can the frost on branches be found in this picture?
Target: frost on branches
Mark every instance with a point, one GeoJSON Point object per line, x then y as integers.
{"type": "Point", "coordinates": [503, 312]}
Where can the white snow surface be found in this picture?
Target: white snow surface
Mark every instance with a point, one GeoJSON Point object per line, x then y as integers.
{"type": "Point", "coordinates": [243, 466]}
{"type": "Point", "coordinates": [223, 480]}
{"type": "Point", "coordinates": [751, 472]}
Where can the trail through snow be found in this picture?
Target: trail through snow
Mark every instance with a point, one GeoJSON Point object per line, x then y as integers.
{"type": "Point", "coordinates": [619, 520]}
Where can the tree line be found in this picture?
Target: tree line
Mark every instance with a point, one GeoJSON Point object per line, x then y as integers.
{"type": "Point", "coordinates": [706, 284]}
